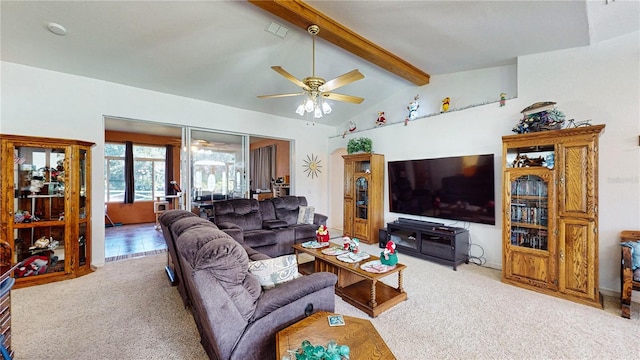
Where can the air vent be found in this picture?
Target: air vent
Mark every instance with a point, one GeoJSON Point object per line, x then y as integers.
{"type": "Point", "coordinates": [277, 30]}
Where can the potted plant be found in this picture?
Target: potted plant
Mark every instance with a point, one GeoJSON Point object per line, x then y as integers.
{"type": "Point", "coordinates": [359, 145]}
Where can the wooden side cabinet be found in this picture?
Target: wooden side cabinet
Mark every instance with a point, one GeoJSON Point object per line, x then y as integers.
{"type": "Point", "coordinates": [46, 207]}
{"type": "Point", "coordinates": [363, 196]}
{"type": "Point", "coordinates": [550, 236]}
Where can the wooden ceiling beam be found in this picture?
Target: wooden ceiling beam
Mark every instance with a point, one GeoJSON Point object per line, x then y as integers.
{"type": "Point", "coordinates": [300, 14]}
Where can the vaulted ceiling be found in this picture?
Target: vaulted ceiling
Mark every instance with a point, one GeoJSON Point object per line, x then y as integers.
{"type": "Point", "coordinates": [219, 51]}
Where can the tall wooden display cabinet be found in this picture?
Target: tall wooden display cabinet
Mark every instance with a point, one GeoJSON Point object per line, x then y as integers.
{"type": "Point", "coordinates": [363, 196]}
{"type": "Point", "coordinates": [46, 207]}
{"type": "Point", "coordinates": [550, 202]}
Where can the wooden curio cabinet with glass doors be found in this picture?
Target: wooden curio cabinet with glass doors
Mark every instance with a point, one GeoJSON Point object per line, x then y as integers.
{"type": "Point", "coordinates": [363, 196]}
{"type": "Point", "coordinates": [46, 207]}
{"type": "Point", "coordinates": [550, 218]}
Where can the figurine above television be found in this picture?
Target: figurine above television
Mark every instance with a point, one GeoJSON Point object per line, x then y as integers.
{"type": "Point", "coordinates": [457, 188]}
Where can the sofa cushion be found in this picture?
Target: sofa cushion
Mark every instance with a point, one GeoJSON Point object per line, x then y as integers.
{"type": "Point", "coordinates": [183, 224]}
{"type": "Point", "coordinates": [305, 214]}
{"type": "Point", "coordinates": [267, 210]}
{"type": "Point", "coordinates": [242, 212]}
{"type": "Point", "coordinates": [224, 260]}
{"type": "Point", "coordinates": [168, 217]}
{"type": "Point", "coordinates": [274, 224]}
{"type": "Point", "coordinates": [287, 208]}
{"type": "Point", "coordinates": [275, 271]}
{"type": "Point", "coordinates": [193, 239]}
{"type": "Point", "coordinates": [257, 238]}
{"type": "Point", "coordinates": [304, 232]}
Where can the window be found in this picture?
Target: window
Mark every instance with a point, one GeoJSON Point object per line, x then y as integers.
{"type": "Point", "coordinates": [148, 168]}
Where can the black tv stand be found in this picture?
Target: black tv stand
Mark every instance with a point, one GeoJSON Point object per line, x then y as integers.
{"type": "Point", "coordinates": [428, 240]}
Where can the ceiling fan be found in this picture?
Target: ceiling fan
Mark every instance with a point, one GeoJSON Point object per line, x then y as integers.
{"type": "Point", "coordinates": [316, 88]}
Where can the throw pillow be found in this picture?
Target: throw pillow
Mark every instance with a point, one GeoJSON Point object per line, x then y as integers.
{"type": "Point", "coordinates": [635, 253]}
{"type": "Point", "coordinates": [305, 214]}
{"type": "Point", "coordinates": [272, 272]}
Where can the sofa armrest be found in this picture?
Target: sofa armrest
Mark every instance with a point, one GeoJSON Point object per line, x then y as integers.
{"type": "Point", "coordinates": [236, 234]}
{"type": "Point", "coordinates": [232, 230]}
{"type": "Point", "coordinates": [626, 258]}
{"type": "Point", "coordinates": [284, 294]}
{"type": "Point", "coordinates": [228, 225]}
{"type": "Point", "coordinates": [319, 219]}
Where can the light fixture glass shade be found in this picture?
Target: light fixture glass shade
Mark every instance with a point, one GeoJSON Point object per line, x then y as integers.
{"type": "Point", "coordinates": [300, 110]}
{"type": "Point", "coordinates": [308, 105]}
{"type": "Point", "coordinates": [318, 113]}
{"type": "Point", "coordinates": [326, 108]}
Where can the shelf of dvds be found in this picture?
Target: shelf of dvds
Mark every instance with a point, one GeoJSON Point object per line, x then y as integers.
{"type": "Point", "coordinates": [550, 236]}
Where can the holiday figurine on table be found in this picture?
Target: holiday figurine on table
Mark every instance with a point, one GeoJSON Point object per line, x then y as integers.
{"type": "Point", "coordinates": [352, 245]}
{"type": "Point", "coordinates": [388, 256]}
{"type": "Point", "coordinates": [322, 234]}
{"type": "Point", "coordinates": [503, 99]}
{"type": "Point", "coordinates": [380, 121]}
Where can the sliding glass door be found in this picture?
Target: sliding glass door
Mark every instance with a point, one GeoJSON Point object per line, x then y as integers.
{"type": "Point", "coordinates": [216, 168]}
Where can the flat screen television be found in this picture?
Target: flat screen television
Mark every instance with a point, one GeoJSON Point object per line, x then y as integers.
{"type": "Point", "coordinates": [457, 188]}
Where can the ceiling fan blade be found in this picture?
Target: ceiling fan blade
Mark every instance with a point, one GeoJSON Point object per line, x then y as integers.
{"type": "Point", "coordinates": [345, 98]}
{"type": "Point", "coordinates": [279, 95]}
{"type": "Point", "coordinates": [342, 80]}
{"type": "Point", "coordinates": [290, 77]}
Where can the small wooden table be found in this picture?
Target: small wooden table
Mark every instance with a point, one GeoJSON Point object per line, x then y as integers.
{"type": "Point", "coordinates": [355, 286]}
{"type": "Point", "coordinates": [363, 339]}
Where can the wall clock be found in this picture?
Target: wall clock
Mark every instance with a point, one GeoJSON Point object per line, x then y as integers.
{"type": "Point", "coordinates": [312, 166]}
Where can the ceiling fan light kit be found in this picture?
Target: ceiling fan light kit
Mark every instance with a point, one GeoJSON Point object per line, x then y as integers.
{"type": "Point", "coordinates": [316, 88]}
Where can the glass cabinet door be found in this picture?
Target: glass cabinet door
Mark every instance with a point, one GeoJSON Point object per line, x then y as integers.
{"type": "Point", "coordinates": [530, 239]}
{"type": "Point", "coordinates": [40, 183]}
{"type": "Point", "coordinates": [362, 198]}
{"type": "Point", "coordinates": [529, 212]}
{"type": "Point", "coordinates": [83, 209]}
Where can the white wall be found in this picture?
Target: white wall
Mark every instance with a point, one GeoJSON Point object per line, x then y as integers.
{"type": "Point", "coordinates": [599, 82]}
{"type": "Point", "coordinates": [37, 102]}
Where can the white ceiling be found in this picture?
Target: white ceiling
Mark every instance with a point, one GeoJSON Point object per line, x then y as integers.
{"type": "Point", "coordinates": [219, 51]}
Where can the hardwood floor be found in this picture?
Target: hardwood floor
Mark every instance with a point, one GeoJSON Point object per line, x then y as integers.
{"type": "Point", "coordinates": [126, 241]}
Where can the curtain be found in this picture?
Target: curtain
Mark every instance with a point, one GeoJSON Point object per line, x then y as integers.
{"type": "Point", "coordinates": [168, 171]}
{"type": "Point", "coordinates": [263, 167]}
{"type": "Point", "coordinates": [129, 187]}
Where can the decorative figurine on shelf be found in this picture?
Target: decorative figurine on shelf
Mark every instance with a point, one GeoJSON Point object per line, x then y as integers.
{"type": "Point", "coordinates": [503, 99]}
{"type": "Point", "coordinates": [352, 128]}
{"type": "Point", "coordinates": [538, 117]}
{"type": "Point", "coordinates": [445, 104]}
{"type": "Point", "coordinates": [37, 183]}
{"type": "Point", "coordinates": [413, 110]}
{"type": "Point", "coordinates": [388, 256]}
{"type": "Point", "coordinates": [549, 161]}
{"type": "Point", "coordinates": [322, 234]}
{"type": "Point", "coordinates": [381, 119]}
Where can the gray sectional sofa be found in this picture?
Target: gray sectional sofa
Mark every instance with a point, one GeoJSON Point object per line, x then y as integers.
{"type": "Point", "coordinates": [236, 317]}
{"type": "Point", "coordinates": [269, 226]}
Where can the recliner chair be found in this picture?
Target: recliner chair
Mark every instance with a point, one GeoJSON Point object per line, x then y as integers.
{"type": "Point", "coordinates": [629, 274]}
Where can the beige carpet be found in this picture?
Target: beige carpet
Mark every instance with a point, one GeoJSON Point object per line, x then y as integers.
{"type": "Point", "coordinates": [127, 310]}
